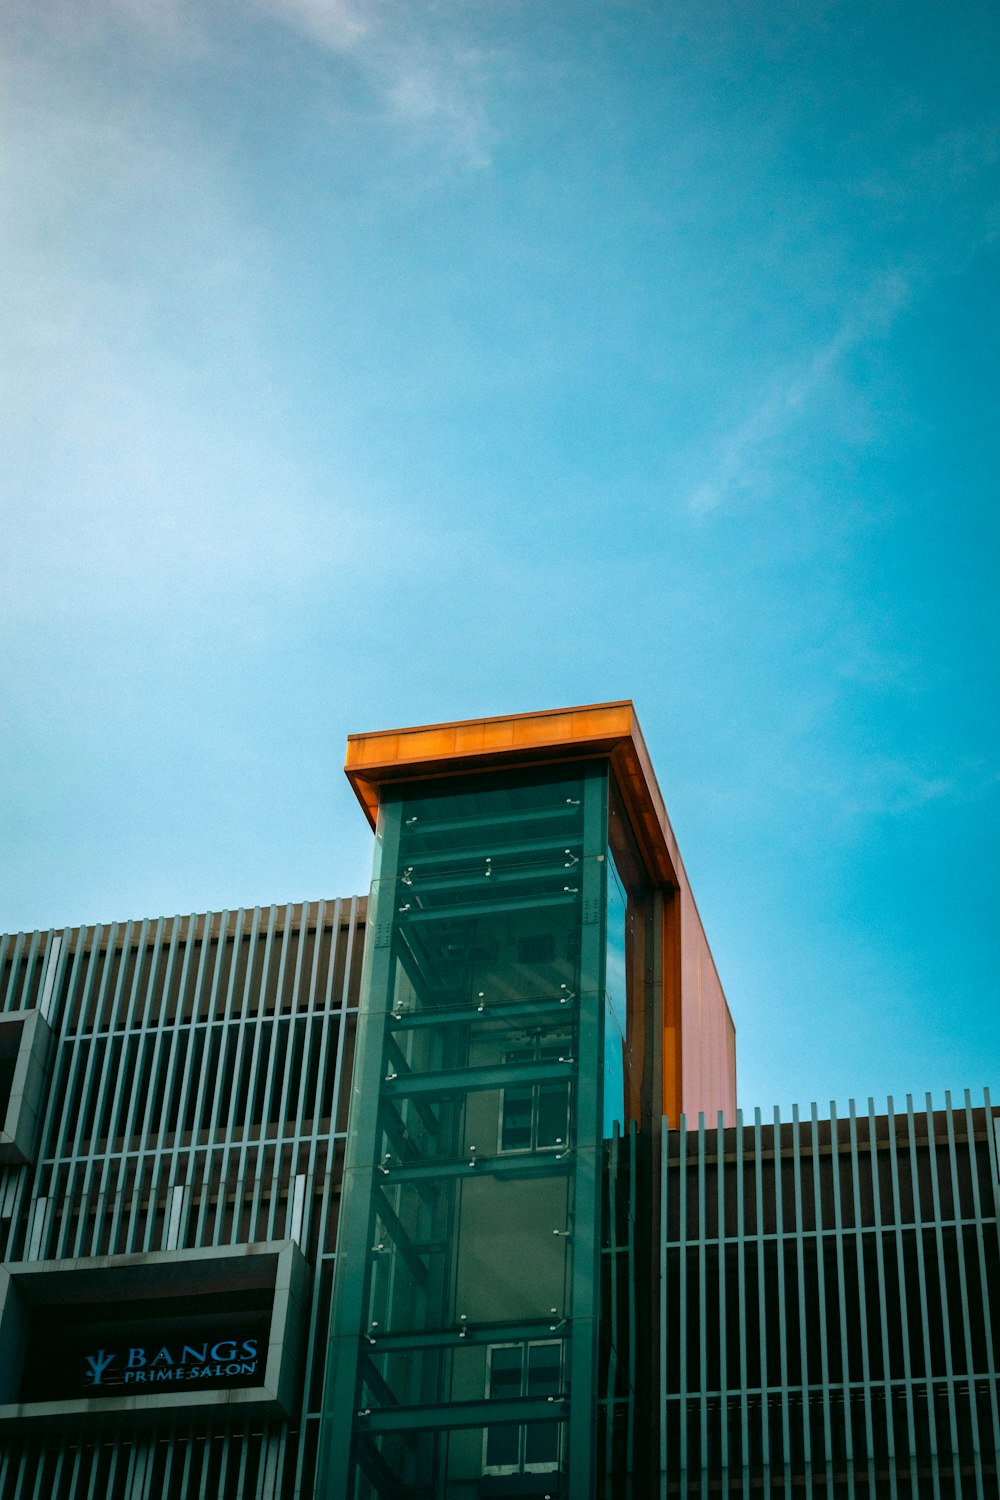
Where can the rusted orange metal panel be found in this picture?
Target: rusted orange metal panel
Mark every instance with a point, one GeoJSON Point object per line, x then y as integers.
{"type": "Point", "coordinates": [599, 729]}
{"type": "Point", "coordinates": [511, 739]}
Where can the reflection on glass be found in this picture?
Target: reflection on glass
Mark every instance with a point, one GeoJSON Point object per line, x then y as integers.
{"type": "Point", "coordinates": [616, 1001]}
{"type": "Point", "coordinates": [468, 1251]}
{"type": "Point", "coordinates": [512, 1091]}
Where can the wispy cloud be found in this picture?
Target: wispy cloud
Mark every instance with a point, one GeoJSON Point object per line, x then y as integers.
{"type": "Point", "coordinates": [73, 25]}
{"type": "Point", "coordinates": [426, 79]}
{"type": "Point", "coordinates": [800, 763]}
{"type": "Point", "coordinates": [147, 465]}
{"type": "Point", "coordinates": [144, 467]}
{"type": "Point", "coordinates": [932, 174]}
{"type": "Point", "coordinates": [742, 450]}
{"type": "Point", "coordinates": [895, 786]}
{"type": "Point", "coordinates": [919, 195]}
{"type": "Point", "coordinates": [418, 71]}
{"type": "Point", "coordinates": [335, 24]}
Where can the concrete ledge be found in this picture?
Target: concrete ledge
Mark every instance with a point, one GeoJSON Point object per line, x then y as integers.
{"type": "Point", "coordinates": [25, 1062]}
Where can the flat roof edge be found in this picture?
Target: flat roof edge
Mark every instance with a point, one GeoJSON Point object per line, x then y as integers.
{"type": "Point", "coordinates": [609, 730]}
{"type": "Point", "coordinates": [535, 713]}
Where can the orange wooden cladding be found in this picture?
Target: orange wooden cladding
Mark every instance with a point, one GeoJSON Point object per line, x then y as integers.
{"type": "Point", "coordinates": [602, 729]}
{"type": "Point", "coordinates": [699, 1072]}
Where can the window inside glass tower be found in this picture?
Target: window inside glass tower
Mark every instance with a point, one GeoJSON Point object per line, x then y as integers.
{"type": "Point", "coordinates": [535, 1117]}
{"type": "Point", "coordinates": [533, 1369]}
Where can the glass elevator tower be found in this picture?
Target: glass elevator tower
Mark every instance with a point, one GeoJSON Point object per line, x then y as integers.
{"type": "Point", "coordinates": [490, 1092]}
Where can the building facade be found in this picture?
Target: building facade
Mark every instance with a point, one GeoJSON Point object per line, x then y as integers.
{"type": "Point", "coordinates": [443, 1193]}
{"type": "Point", "coordinates": [829, 1303]}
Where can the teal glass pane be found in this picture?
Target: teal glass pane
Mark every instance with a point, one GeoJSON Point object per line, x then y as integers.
{"type": "Point", "coordinates": [504, 1099]}
{"type": "Point", "coordinates": [506, 1369]}
{"type": "Point", "coordinates": [615, 981]}
{"type": "Point", "coordinates": [466, 1370]}
{"type": "Point", "coordinates": [491, 945]}
{"type": "Point", "coordinates": [448, 1042]}
{"type": "Point", "coordinates": [469, 1251]}
{"type": "Point", "coordinates": [503, 1450]}
{"type": "Point", "coordinates": [518, 1117]}
{"type": "Point", "coordinates": [551, 1118]}
{"type": "Point", "coordinates": [544, 1370]}
{"type": "Point", "coordinates": [541, 1447]}
{"type": "Point", "coordinates": [466, 1464]}
{"type": "Point", "coordinates": [616, 1001]}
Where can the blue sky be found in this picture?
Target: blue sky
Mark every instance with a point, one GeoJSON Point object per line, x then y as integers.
{"type": "Point", "coordinates": [377, 363]}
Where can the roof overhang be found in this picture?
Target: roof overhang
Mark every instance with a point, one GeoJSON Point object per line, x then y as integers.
{"type": "Point", "coordinates": [514, 741]}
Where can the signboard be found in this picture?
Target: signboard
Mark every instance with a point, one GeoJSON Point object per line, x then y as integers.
{"type": "Point", "coordinates": [150, 1348]}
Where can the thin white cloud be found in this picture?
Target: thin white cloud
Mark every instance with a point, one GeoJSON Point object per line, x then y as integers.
{"type": "Point", "coordinates": [737, 463]}
{"type": "Point", "coordinates": [418, 72]}
{"type": "Point", "coordinates": [930, 176]}
{"type": "Point", "coordinates": [334, 24]}
{"type": "Point", "coordinates": [797, 764]}
{"type": "Point", "coordinates": [148, 471]}
{"type": "Point", "coordinates": [927, 184]}
{"type": "Point", "coordinates": [894, 786]}
{"type": "Point", "coordinates": [144, 469]}
{"type": "Point", "coordinates": [426, 80]}
{"type": "Point", "coordinates": [73, 25]}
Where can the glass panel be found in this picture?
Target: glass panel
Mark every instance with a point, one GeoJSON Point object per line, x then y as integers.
{"type": "Point", "coordinates": [503, 1444]}
{"type": "Point", "coordinates": [616, 1003]}
{"type": "Point", "coordinates": [464, 1371]}
{"type": "Point", "coordinates": [456, 1039]}
{"type": "Point", "coordinates": [541, 1446]}
{"type": "Point", "coordinates": [506, 1361]}
{"type": "Point", "coordinates": [432, 1112]}
{"type": "Point", "coordinates": [520, 947]}
{"type": "Point", "coordinates": [463, 1464]}
{"type": "Point", "coordinates": [553, 1115]}
{"type": "Point", "coordinates": [503, 1450]}
{"type": "Point", "coordinates": [514, 1254]}
{"type": "Point", "coordinates": [614, 1072]}
{"type": "Point", "coordinates": [535, 1445]}
{"type": "Point", "coordinates": [544, 1369]}
{"type": "Point", "coordinates": [536, 1117]}
{"type": "Point", "coordinates": [615, 976]}
{"type": "Point", "coordinates": [478, 1249]}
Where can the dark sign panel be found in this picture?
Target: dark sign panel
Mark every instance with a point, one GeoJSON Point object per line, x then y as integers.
{"type": "Point", "coordinates": [146, 1348]}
